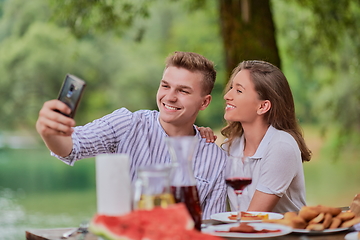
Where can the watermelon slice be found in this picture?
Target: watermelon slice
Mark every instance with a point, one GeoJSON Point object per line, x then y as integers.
{"type": "Point", "coordinates": [158, 223]}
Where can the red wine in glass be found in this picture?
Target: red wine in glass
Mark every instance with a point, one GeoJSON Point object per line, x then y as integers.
{"type": "Point", "coordinates": [238, 184]}
{"type": "Point", "coordinates": [189, 195]}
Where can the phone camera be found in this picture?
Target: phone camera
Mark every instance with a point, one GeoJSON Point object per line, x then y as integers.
{"type": "Point", "coordinates": [71, 90]}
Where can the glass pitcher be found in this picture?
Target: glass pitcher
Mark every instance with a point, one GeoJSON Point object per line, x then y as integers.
{"type": "Point", "coordinates": [183, 182]}
{"type": "Point", "coordinates": [152, 188]}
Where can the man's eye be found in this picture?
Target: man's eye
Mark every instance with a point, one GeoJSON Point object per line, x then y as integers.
{"type": "Point", "coordinates": [183, 91]}
{"type": "Point", "coordinates": [164, 86]}
{"type": "Point", "coordinates": [239, 91]}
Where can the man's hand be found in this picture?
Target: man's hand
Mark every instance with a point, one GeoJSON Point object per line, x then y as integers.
{"type": "Point", "coordinates": [55, 128]}
{"type": "Point", "coordinates": [54, 123]}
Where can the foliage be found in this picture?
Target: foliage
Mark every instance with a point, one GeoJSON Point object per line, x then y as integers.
{"type": "Point", "coordinates": [318, 39]}
{"type": "Point", "coordinates": [122, 65]}
{"type": "Point", "coordinates": [36, 54]}
{"type": "Point", "coordinates": [86, 17]}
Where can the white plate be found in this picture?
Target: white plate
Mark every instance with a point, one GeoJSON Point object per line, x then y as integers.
{"type": "Point", "coordinates": [352, 236]}
{"type": "Point", "coordinates": [305, 231]}
{"type": "Point", "coordinates": [224, 216]}
{"type": "Point", "coordinates": [258, 226]}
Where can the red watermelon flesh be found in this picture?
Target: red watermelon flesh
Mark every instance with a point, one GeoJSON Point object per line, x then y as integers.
{"type": "Point", "coordinates": [179, 235]}
{"type": "Point", "coordinates": [116, 228]}
{"type": "Point", "coordinates": [144, 224]}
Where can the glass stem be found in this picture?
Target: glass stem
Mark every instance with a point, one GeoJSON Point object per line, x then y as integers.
{"type": "Point", "coordinates": [238, 198]}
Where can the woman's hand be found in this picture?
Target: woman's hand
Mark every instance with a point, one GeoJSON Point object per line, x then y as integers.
{"type": "Point", "coordinates": [207, 133]}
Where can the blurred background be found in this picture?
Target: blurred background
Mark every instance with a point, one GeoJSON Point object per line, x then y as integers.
{"type": "Point", "coordinates": [119, 48]}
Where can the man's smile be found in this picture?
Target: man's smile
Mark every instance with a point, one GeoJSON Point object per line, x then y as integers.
{"type": "Point", "coordinates": [170, 107]}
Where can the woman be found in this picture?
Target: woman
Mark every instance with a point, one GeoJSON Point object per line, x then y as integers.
{"type": "Point", "coordinates": [261, 125]}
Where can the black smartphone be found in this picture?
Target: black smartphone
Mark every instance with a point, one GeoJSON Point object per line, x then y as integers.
{"type": "Point", "coordinates": [71, 92]}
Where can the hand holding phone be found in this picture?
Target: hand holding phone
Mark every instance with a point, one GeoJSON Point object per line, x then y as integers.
{"type": "Point", "coordinates": [71, 92]}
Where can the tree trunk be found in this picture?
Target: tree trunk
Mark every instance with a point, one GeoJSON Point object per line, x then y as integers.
{"type": "Point", "coordinates": [248, 32]}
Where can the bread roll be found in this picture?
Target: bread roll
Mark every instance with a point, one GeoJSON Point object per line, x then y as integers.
{"type": "Point", "coordinates": [351, 222]}
{"type": "Point", "coordinates": [308, 213]}
{"type": "Point", "coordinates": [325, 209]}
{"type": "Point", "coordinates": [345, 216]}
{"type": "Point", "coordinates": [355, 205]}
{"type": "Point", "coordinates": [317, 219]}
{"type": "Point", "coordinates": [327, 220]}
{"type": "Point", "coordinates": [290, 215]}
{"type": "Point", "coordinates": [315, 227]}
{"type": "Point", "coordinates": [336, 222]}
{"type": "Point", "coordinates": [295, 222]}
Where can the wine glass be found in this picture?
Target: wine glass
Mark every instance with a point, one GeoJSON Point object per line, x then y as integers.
{"type": "Point", "coordinates": [238, 175]}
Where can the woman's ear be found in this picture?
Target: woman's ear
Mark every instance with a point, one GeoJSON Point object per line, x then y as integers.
{"type": "Point", "coordinates": [264, 107]}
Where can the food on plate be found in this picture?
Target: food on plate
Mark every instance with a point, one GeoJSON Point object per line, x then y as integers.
{"type": "Point", "coordinates": [315, 227]}
{"type": "Point", "coordinates": [290, 215]}
{"type": "Point", "coordinates": [318, 218]}
{"type": "Point", "coordinates": [250, 216]}
{"type": "Point", "coordinates": [295, 222]}
{"type": "Point", "coordinates": [327, 220]}
{"type": "Point", "coordinates": [332, 210]}
{"type": "Point", "coordinates": [245, 228]}
{"type": "Point", "coordinates": [156, 224]}
{"type": "Point", "coordinates": [344, 216]}
{"type": "Point", "coordinates": [308, 213]}
{"type": "Point", "coordinates": [355, 205]}
{"type": "Point", "coordinates": [351, 222]}
{"type": "Point", "coordinates": [335, 223]}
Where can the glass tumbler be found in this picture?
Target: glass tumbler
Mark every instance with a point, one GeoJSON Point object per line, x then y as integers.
{"type": "Point", "coordinates": [152, 188]}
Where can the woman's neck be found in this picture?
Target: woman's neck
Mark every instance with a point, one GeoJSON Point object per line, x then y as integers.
{"type": "Point", "coordinates": [253, 134]}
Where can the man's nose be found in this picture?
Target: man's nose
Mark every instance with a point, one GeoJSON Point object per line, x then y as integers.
{"type": "Point", "coordinates": [171, 96]}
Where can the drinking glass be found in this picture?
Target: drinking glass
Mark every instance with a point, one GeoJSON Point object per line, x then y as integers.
{"type": "Point", "coordinates": [238, 175]}
{"type": "Point", "coordinates": [152, 188]}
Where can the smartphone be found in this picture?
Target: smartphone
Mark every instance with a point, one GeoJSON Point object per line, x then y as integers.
{"type": "Point", "coordinates": [71, 92]}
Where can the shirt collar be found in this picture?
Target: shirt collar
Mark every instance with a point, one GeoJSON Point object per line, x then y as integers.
{"type": "Point", "coordinates": [260, 151]}
{"type": "Point", "coordinates": [197, 133]}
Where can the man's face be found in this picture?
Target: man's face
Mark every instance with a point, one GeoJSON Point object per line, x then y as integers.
{"type": "Point", "coordinates": [179, 97]}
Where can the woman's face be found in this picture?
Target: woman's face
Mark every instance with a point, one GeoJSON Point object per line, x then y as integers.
{"type": "Point", "coordinates": [242, 101]}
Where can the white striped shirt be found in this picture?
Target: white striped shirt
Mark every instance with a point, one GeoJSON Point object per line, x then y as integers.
{"type": "Point", "coordinates": [140, 135]}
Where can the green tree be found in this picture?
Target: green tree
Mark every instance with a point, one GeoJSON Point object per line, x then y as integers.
{"type": "Point", "coordinates": [246, 26]}
{"type": "Point", "coordinates": [319, 40]}
{"type": "Point", "coordinates": [119, 71]}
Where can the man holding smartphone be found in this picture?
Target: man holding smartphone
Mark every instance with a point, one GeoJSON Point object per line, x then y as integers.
{"type": "Point", "coordinates": [184, 90]}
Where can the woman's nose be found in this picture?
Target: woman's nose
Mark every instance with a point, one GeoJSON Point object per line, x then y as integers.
{"type": "Point", "coordinates": [227, 95]}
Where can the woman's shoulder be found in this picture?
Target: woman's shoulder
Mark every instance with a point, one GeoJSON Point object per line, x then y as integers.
{"type": "Point", "coordinates": [282, 136]}
{"type": "Point", "coordinates": [284, 142]}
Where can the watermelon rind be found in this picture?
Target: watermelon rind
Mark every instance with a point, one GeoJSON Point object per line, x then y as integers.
{"type": "Point", "coordinates": [158, 223]}
{"type": "Point", "coordinates": [102, 231]}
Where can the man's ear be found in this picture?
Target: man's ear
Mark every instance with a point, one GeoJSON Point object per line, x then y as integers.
{"type": "Point", "coordinates": [264, 107]}
{"type": "Point", "coordinates": [206, 102]}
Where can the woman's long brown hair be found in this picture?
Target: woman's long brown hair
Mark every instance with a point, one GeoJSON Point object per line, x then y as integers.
{"type": "Point", "coordinates": [271, 84]}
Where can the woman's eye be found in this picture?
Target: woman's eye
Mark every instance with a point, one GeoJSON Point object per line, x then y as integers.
{"type": "Point", "coordinates": [239, 91]}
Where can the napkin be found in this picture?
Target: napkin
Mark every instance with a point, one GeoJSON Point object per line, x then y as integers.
{"type": "Point", "coordinates": [113, 186]}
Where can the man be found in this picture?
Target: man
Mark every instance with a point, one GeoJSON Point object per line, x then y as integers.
{"type": "Point", "coordinates": [184, 90]}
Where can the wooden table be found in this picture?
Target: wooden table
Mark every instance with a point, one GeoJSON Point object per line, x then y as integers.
{"type": "Point", "coordinates": [55, 234]}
